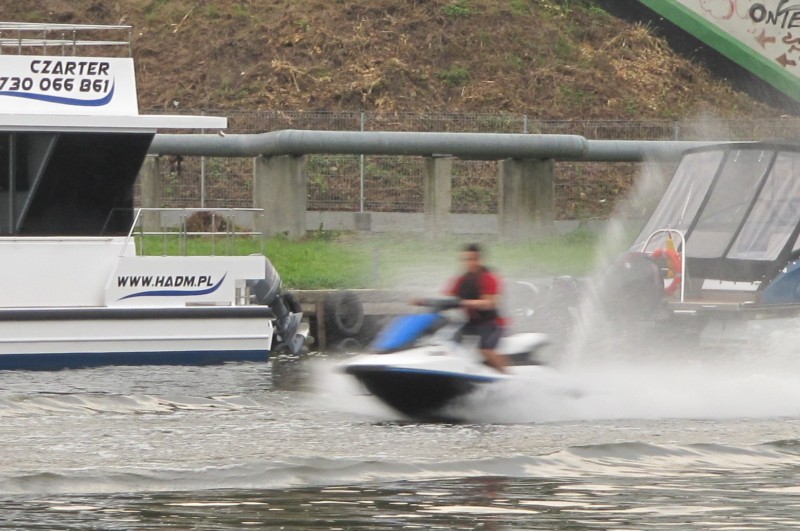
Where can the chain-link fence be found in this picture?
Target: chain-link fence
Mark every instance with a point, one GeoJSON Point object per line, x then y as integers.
{"type": "Point", "coordinates": [394, 184]}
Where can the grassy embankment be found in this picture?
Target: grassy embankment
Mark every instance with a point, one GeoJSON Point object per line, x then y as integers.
{"type": "Point", "coordinates": [331, 260]}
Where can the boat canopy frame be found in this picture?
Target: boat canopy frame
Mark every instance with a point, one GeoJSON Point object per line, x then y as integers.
{"type": "Point", "coordinates": [738, 206]}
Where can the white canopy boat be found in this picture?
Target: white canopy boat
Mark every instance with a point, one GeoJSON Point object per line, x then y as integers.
{"type": "Point", "coordinates": [720, 255]}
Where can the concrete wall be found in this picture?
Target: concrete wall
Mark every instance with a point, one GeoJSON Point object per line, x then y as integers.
{"type": "Point", "coordinates": [462, 224]}
{"type": "Point", "coordinates": [279, 187]}
{"type": "Point", "coordinates": [525, 211]}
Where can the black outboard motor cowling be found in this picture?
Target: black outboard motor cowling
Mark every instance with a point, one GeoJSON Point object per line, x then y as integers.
{"type": "Point", "coordinates": [267, 292]}
{"type": "Point", "coordinates": [267, 289]}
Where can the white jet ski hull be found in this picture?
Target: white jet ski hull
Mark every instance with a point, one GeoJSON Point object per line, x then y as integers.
{"type": "Point", "coordinates": [422, 382]}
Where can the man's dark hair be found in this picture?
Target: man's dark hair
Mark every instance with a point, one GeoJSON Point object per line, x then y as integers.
{"type": "Point", "coordinates": [472, 248]}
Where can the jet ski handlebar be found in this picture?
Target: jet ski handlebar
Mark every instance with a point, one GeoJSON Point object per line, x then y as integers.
{"type": "Point", "coordinates": [440, 303]}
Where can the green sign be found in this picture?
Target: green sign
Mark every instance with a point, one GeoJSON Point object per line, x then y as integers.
{"type": "Point", "coordinates": [763, 37]}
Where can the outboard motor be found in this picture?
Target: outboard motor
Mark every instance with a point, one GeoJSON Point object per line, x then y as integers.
{"type": "Point", "coordinates": [267, 292]}
{"type": "Point", "coordinates": [632, 287]}
{"type": "Point", "coordinates": [267, 289]}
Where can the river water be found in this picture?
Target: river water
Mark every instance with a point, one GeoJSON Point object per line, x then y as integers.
{"type": "Point", "coordinates": [664, 442]}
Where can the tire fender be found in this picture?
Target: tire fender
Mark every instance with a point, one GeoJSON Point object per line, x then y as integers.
{"type": "Point", "coordinates": [344, 313]}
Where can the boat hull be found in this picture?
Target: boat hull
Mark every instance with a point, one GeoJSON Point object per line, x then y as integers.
{"type": "Point", "coordinates": [83, 360]}
{"type": "Point", "coordinates": [45, 338]}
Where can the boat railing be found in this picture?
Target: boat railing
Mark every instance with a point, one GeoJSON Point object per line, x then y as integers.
{"type": "Point", "coordinates": [184, 231]}
{"type": "Point", "coordinates": [681, 246]}
{"type": "Point", "coordinates": [62, 39]}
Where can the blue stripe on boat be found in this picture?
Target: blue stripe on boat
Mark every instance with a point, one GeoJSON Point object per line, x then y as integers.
{"type": "Point", "coordinates": [76, 360]}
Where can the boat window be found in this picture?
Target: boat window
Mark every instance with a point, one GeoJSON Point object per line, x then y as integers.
{"type": "Point", "coordinates": [775, 213]}
{"type": "Point", "coordinates": [684, 195]}
{"type": "Point", "coordinates": [15, 154]}
{"type": "Point", "coordinates": [728, 203]}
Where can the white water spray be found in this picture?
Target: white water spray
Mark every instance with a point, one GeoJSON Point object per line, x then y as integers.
{"type": "Point", "coordinates": [608, 374]}
{"type": "Point", "coordinates": [648, 374]}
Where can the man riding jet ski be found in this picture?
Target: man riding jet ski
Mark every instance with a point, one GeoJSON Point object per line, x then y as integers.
{"type": "Point", "coordinates": [479, 291]}
{"type": "Point", "coordinates": [423, 363]}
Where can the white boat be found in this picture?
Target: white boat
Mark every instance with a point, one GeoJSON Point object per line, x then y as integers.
{"type": "Point", "coordinates": [720, 256]}
{"type": "Point", "coordinates": [84, 301]}
{"type": "Point", "coordinates": [72, 143]}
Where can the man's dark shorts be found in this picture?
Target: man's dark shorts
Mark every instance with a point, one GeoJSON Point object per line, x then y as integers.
{"type": "Point", "coordinates": [489, 334]}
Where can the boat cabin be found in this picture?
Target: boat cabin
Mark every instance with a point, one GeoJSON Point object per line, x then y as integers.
{"type": "Point", "coordinates": [72, 140]}
{"type": "Point", "coordinates": [732, 213]}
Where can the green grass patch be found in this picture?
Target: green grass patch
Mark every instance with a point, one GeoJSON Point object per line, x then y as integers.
{"type": "Point", "coordinates": [330, 260]}
{"type": "Point", "coordinates": [455, 75]}
{"type": "Point", "coordinates": [219, 245]}
{"type": "Point", "coordinates": [398, 261]}
{"type": "Point", "coordinates": [520, 7]}
{"type": "Point", "coordinates": [458, 8]}
{"type": "Point", "coordinates": [319, 263]}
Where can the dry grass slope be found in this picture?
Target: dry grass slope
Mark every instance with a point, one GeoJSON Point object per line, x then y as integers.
{"type": "Point", "coordinates": [550, 59]}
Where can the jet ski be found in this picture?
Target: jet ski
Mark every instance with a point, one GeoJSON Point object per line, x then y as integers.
{"type": "Point", "coordinates": [421, 364]}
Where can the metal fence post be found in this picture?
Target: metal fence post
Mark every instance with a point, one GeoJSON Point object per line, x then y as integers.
{"type": "Point", "coordinates": [361, 174]}
{"type": "Point", "coordinates": [202, 175]}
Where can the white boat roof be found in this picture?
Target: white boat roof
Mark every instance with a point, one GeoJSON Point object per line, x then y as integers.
{"type": "Point", "coordinates": [142, 123]}
{"type": "Point", "coordinates": [48, 86]}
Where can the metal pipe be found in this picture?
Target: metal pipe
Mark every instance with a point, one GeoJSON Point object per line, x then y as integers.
{"type": "Point", "coordinates": [477, 146]}
{"type": "Point", "coordinates": [639, 150]}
